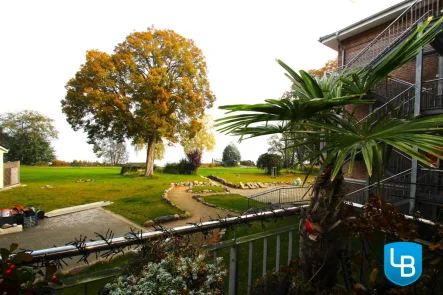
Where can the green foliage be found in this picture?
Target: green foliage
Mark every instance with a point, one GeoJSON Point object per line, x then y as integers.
{"type": "Point", "coordinates": [182, 167]}
{"type": "Point", "coordinates": [268, 161]}
{"type": "Point", "coordinates": [317, 106]}
{"type": "Point", "coordinates": [248, 163]}
{"type": "Point", "coordinates": [17, 278]}
{"type": "Point", "coordinates": [231, 155]}
{"type": "Point", "coordinates": [27, 135]}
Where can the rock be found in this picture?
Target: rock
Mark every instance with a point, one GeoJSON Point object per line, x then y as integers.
{"type": "Point", "coordinates": [163, 219]}
{"type": "Point", "coordinates": [188, 214]}
{"type": "Point", "coordinates": [148, 223]}
{"type": "Point", "coordinates": [176, 216]}
{"type": "Point", "coordinates": [183, 216]}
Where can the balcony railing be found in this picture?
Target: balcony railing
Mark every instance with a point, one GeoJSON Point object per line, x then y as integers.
{"type": "Point", "coordinates": [431, 95]}
{"type": "Point", "coordinates": [234, 245]}
{"type": "Point", "coordinates": [286, 196]}
{"type": "Point", "coordinates": [396, 31]}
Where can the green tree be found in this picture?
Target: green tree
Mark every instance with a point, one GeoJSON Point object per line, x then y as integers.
{"type": "Point", "coordinates": [231, 155]}
{"type": "Point", "coordinates": [27, 135]}
{"type": "Point", "coordinates": [268, 161]}
{"type": "Point", "coordinates": [318, 105]}
{"type": "Point", "coordinates": [151, 88]}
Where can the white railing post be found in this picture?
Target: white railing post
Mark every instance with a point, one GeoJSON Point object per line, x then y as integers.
{"type": "Point", "coordinates": [233, 270]}
{"type": "Point", "coordinates": [265, 255]}
{"type": "Point", "coordinates": [277, 254]}
{"type": "Point", "coordinates": [250, 265]}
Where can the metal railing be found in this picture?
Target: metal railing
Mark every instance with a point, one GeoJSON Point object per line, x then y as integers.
{"type": "Point", "coordinates": [403, 103]}
{"type": "Point", "coordinates": [431, 95]}
{"type": "Point", "coordinates": [234, 245]}
{"type": "Point", "coordinates": [396, 31]}
{"type": "Point", "coordinates": [396, 189]}
{"type": "Point", "coordinates": [279, 197]}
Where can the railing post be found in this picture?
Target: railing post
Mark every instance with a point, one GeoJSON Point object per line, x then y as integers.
{"type": "Point", "coordinates": [250, 265]}
{"type": "Point", "coordinates": [291, 237]}
{"type": "Point", "coordinates": [233, 270]}
{"type": "Point", "coordinates": [279, 198]}
{"type": "Point", "coordinates": [265, 255]}
{"type": "Point", "coordinates": [86, 288]}
{"type": "Point", "coordinates": [277, 255]}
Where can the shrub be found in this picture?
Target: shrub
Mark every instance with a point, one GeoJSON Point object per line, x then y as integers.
{"type": "Point", "coordinates": [173, 275]}
{"type": "Point", "coordinates": [172, 266]}
{"type": "Point", "coordinates": [59, 163]}
{"type": "Point", "coordinates": [181, 167]}
{"type": "Point", "coordinates": [247, 163]}
{"type": "Point", "coordinates": [268, 161]}
{"type": "Point", "coordinates": [194, 159]}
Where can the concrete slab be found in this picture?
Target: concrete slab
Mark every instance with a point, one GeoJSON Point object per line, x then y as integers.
{"type": "Point", "coordinates": [60, 230]}
{"type": "Point", "coordinates": [74, 209]}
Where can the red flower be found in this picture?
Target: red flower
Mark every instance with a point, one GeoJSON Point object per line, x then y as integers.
{"type": "Point", "coordinates": [7, 272]}
{"type": "Point", "coordinates": [11, 266]}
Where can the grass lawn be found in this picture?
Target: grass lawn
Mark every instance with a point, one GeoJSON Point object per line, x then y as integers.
{"type": "Point", "coordinates": [197, 189]}
{"type": "Point", "coordinates": [136, 198]}
{"type": "Point", "coordinates": [232, 201]}
{"type": "Point", "coordinates": [249, 174]}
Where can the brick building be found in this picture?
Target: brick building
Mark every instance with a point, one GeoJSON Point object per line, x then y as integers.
{"type": "Point", "coordinates": [415, 89]}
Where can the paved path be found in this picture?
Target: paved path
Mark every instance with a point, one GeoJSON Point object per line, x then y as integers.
{"type": "Point", "coordinates": [200, 212]}
{"type": "Point", "coordinates": [60, 230]}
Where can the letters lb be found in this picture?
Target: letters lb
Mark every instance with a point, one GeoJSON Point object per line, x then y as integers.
{"type": "Point", "coordinates": [403, 262]}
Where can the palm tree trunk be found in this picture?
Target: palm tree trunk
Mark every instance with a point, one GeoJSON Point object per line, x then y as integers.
{"type": "Point", "coordinates": [319, 249]}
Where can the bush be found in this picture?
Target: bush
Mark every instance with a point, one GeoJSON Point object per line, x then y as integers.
{"type": "Point", "coordinates": [306, 168]}
{"type": "Point", "coordinates": [173, 275]}
{"type": "Point", "coordinates": [268, 161]}
{"type": "Point", "coordinates": [247, 163]}
{"type": "Point", "coordinates": [181, 167]}
{"type": "Point", "coordinates": [59, 163]}
{"type": "Point", "coordinates": [194, 159]}
{"type": "Point", "coordinates": [172, 266]}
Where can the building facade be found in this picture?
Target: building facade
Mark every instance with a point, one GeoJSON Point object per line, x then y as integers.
{"type": "Point", "coordinates": [414, 90]}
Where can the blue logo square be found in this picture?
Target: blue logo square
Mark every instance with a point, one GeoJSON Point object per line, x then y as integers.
{"type": "Point", "coordinates": [403, 262]}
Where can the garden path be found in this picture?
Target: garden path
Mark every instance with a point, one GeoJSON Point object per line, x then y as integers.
{"type": "Point", "coordinates": [200, 212]}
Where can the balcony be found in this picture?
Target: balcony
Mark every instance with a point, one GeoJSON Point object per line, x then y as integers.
{"type": "Point", "coordinates": [247, 257]}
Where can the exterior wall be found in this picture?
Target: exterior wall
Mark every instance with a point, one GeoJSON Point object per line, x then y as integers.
{"type": "Point", "coordinates": [1, 169]}
{"type": "Point", "coordinates": [11, 173]}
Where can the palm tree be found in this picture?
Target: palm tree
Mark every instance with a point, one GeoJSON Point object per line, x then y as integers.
{"type": "Point", "coordinates": [319, 107]}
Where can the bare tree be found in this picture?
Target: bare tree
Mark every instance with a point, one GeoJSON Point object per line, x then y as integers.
{"type": "Point", "coordinates": [112, 151]}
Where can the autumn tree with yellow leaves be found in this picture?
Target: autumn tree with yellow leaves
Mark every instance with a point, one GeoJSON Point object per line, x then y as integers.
{"type": "Point", "coordinates": [150, 89]}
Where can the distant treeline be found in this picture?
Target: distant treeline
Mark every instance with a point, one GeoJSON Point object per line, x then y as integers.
{"type": "Point", "coordinates": [77, 163]}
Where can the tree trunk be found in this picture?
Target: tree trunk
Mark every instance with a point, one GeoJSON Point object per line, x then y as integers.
{"type": "Point", "coordinates": [150, 156]}
{"type": "Point", "coordinates": [320, 251]}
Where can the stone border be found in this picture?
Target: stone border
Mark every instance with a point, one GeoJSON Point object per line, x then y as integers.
{"type": "Point", "coordinates": [201, 200]}
{"type": "Point", "coordinates": [167, 218]}
{"type": "Point", "coordinates": [250, 185]}
{"type": "Point", "coordinates": [196, 184]}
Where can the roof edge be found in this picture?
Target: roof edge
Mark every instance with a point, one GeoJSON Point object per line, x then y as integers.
{"type": "Point", "coordinates": [4, 149]}
{"type": "Point", "coordinates": [387, 14]}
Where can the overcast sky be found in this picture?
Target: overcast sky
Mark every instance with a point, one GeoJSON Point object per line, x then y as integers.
{"type": "Point", "coordinates": [43, 44]}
